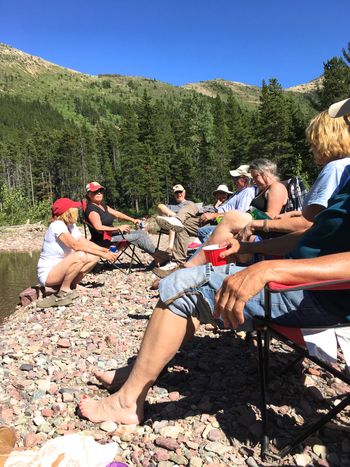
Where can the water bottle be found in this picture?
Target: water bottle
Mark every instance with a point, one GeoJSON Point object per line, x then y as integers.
{"type": "Point", "coordinates": [113, 248]}
{"type": "Point", "coordinates": [142, 223]}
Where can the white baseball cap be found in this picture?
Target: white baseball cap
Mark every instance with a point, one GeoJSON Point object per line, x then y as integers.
{"type": "Point", "coordinates": [339, 109]}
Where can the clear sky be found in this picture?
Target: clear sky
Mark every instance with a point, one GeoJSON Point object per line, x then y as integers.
{"type": "Point", "coordinates": [182, 41]}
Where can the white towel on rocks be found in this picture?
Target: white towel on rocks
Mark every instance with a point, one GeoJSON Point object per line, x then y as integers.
{"type": "Point", "coordinates": [75, 450]}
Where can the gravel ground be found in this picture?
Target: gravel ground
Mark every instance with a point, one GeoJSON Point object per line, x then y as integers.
{"type": "Point", "coordinates": [202, 411]}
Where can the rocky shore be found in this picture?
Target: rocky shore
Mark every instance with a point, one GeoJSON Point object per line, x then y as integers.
{"type": "Point", "coordinates": [202, 411]}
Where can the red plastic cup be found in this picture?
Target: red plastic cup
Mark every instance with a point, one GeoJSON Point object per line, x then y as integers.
{"type": "Point", "coordinates": [212, 254]}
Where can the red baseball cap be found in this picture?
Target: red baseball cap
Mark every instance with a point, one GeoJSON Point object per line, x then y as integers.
{"type": "Point", "coordinates": [94, 186]}
{"type": "Point", "coordinates": [61, 205]}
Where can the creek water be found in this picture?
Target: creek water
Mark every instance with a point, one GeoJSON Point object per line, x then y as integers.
{"type": "Point", "coordinates": [17, 272]}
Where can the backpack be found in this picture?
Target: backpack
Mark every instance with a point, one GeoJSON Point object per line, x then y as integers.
{"type": "Point", "coordinates": [296, 194]}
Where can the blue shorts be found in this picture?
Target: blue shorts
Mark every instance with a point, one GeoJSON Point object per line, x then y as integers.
{"type": "Point", "coordinates": [190, 293]}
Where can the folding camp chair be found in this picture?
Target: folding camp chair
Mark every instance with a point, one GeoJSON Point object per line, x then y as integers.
{"type": "Point", "coordinates": [124, 248]}
{"type": "Point", "coordinates": [308, 343]}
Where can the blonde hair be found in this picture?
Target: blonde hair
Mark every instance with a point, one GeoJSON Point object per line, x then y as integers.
{"type": "Point", "coordinates": [329, 138]}
{"type": "Point", "coordinates": [68, 217]}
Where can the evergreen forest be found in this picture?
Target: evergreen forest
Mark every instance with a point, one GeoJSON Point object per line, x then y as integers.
{"type": "Point", "coordinates": [60, 129]}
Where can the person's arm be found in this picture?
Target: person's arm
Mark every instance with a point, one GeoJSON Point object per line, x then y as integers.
{"type": "Point", "coordinates": [82, 244]}
{"type": "Point", "coordinates": [278, 246]}
{"type": "Point", "coordinates": [237, 289]}
{"type": "Point", "coordinates": [311, 211]}
{"type": "Point", "coordinates": [120, 215]}
{"type": "Point", "coordinates": [209, 216]}
{"type": "Point", "coordinates": [284, 224]}
{"type": "Point", "coordinates": [276, 197]}
{"type": "Point", "coordinates": [95, 221]}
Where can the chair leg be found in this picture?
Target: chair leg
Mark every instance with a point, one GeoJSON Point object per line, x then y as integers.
{"type": "Point", "coordinates": [262, 377]}
{"type": "Point", "coordinates": [315, 427]}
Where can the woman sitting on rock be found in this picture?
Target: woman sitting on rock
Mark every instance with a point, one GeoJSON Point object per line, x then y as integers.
{"type": "Point", "coordinates": [66, 256]}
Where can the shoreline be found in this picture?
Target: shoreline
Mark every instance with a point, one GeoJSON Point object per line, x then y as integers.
{"type": "Point", "coordinates": [202, 411]}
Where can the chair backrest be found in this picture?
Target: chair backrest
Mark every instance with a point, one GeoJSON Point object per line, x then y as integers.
{"type": "Point", "coordinates": [296, 194]}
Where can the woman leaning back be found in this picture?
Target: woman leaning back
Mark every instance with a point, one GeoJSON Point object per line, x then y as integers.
{"type": "Point", "coordinates": [100, 218]}
{"type": "Point", "coordinates": [66, 256]}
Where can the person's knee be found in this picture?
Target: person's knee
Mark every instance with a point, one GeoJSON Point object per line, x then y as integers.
{"type": "Point", "coordinates": [81, 257]}
{"type": "Point", "coordinates": [161, 207]}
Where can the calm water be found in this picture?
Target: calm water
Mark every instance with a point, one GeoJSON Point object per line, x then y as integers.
{"type": "Point", "coordinates": [17, 272]}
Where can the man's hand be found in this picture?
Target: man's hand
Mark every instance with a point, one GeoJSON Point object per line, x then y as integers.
{"type": "Point", "coordinates": [206, 217]}
{"type": "Point", "coordinates": [236, 290]}
{"type": "Point", "coordinates": [233, 248]}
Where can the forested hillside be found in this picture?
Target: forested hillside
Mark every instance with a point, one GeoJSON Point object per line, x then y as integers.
{"type": "Point", "coordinates": [60, 129]}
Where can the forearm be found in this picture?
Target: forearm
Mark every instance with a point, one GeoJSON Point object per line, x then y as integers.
{"type": "Point", "coordinates": [283, 225]}
{"type": "Point", "coordinates": [329, 267]}
{"type": "Point", "coordinates": [278, 246]}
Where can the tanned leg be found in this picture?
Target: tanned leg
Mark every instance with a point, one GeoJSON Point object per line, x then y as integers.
{"type": "Point", "coordinates": [163, 337]}
{"type": "Point", "coordinates": [232, 223]}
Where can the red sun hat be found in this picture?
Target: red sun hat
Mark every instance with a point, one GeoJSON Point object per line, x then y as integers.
{"type": "Point", "coordinates": [94, 186]}
{"type": "Point", "coordinates": [61, 205]}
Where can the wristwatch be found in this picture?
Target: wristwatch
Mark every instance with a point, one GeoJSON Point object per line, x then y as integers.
{"type": "Point", "coordinates": [265, 226]}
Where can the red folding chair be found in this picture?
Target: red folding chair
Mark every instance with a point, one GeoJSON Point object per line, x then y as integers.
{"type": "Point", "coordinates": [124, 248]}
{"type": "Point", "coordinates": [295, 338]}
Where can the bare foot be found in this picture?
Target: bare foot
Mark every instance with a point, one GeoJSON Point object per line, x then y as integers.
{"type": "Point", "coordinates": [113, 380]}
{"type": "Point", "coordinates": [110, 408]}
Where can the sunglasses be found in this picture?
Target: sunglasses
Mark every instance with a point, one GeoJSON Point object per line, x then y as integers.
{"type": "Point", "coordinates": [100, 190]}
{"type": "Point", "coordinates": [178, 192]}
{"type": "Point", "coordinates": [347, 119]}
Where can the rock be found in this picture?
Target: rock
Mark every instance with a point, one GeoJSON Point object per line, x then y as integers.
{"type": "Point", "coordinates": [178, 459]}
{"type": "Point", "coordinates": [196, 462]}
{"type": "Point", "coordinates": [161, 455]}
{"type": "Point", "coordinates": [31, 440]}
{"type": "Point", "coordinates": [174, 396]}
{"type": "Point", "coordinates": [26, 367]}
{"type": "Point", "coordinates": [166, 443]}
{"type": "Point", "coordinates": [320, 450]}
{"type": "Point", "coordinates": [215, 435]}
{"type": "Point", "coordinates": [170, 431]}
{"type": "Point", "coordinates": [302, 460]}
{"type": "Point", "coordinates": [216, 447]}
{"type": "Point", "coordinates": [108, 426]}
{"type": "Point", "coordinates": [67, 397]}
{"type": "Point", "coordinates": [251, 462]}
{"type": "Point", "coordinates": [63, 343]}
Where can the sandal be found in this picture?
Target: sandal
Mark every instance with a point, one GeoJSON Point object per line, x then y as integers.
{"type": "Point", "coordinates": [59, 299]}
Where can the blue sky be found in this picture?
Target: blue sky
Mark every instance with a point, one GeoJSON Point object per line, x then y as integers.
{"type": "Point", "coordinates": [182, 41]}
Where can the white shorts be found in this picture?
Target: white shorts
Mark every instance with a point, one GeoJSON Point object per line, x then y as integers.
{"type": "Point", "coordinates": [44, 267]}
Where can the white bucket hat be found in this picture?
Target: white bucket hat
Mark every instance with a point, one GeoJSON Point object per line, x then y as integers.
{"type": "Point", "coordinates": [224, 189]}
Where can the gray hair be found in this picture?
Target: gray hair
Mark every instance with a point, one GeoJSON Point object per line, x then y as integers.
{"type": "Point", "coordinates": [264, 165]}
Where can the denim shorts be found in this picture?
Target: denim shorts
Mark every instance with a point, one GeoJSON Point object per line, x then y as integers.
{"type": "Point", "coordinates": [190, 293]}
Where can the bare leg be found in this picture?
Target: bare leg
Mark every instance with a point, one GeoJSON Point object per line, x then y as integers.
{"type": "Point", "coordinates": [114, 379]}
{"type": "Point", "coordinates": [91, 261]}
{"type": "Point", "coordinates": [163, 337]}
{"type": "Point", "coordinates": [164, 211]}
{"type": "Point", "coordinates": [232, 223]}
{"type": "Point", "coordinates": [171, 241]}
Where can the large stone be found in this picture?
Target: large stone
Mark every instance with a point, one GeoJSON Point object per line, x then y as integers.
{"type": "Point", "coordinates": [166, 443]}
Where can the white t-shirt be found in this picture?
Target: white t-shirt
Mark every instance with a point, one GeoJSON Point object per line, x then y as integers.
{"type": "Point", "coordinates": [53, 250]}
{"type": "Point", "coordinates": [332, 177]}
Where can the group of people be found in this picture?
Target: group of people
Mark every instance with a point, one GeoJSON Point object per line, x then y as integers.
{"type": "Point", "coordinates": [314, 245]}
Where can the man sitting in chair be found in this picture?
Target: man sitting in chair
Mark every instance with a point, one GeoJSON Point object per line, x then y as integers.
{"type": "Point", "coordinates": [191, 219]}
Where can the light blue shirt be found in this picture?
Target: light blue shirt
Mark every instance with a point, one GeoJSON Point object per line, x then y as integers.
{"type": "Point", "coordinates": [239, 201]}
{"type": "Point", "coordinates": [332, 177]}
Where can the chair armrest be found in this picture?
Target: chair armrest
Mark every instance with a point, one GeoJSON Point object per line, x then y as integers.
{"type": "Point", "coordinates": [335, 284]}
